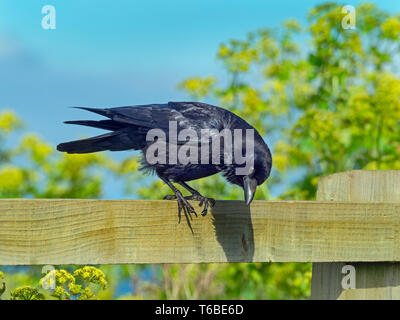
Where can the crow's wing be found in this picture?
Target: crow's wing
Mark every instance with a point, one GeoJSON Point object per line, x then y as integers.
{"type": "Point", "coordinates": [193, 115]}
{"type": "Point", "coordinates": [130, 126]}
{"type": "Point", "coordinates": [187, 115]}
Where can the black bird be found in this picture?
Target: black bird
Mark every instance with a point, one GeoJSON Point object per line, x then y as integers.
{"type": "Point", "coordinates": [130, 125]}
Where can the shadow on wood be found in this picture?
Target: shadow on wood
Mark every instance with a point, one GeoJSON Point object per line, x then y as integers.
{"type": "Point", "coordinates": [241, 236]}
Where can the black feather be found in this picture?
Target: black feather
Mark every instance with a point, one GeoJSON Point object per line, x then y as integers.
{"type": "Point", "coordinates": [102, 124]}
{"type": "Point", "coordinates": [113, 141]}
{"type": "Point", "coordinates": [103, 112]}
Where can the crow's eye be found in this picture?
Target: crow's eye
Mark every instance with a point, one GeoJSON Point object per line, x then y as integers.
{"type": "Point", "coordinates": [257, 174]}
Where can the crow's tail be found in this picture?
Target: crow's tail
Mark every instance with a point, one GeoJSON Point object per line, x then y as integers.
{"type": "Point", "coordinates": [113, 141]}
{"type": "Point", "coordinates": [102, 124]}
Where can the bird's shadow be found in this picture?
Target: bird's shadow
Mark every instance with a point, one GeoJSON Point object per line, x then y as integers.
{"type": "Point", "coordinates": [234, 230]}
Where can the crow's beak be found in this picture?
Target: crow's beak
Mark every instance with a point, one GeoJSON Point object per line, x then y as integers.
{"type": "Point", "coordinates": [249, 187]}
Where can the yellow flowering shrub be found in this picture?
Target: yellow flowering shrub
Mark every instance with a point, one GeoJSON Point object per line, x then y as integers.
{"type": "Point", "coordinates": [77, 285]}
{"type": "Point", "coordinates": [26, 293]}
{"type": "Point", "coordinates": [2, 284]}
{"type": "Point", "coordinates": [391, 28]}
{"type": "Point", "coordinates": [9, 121]}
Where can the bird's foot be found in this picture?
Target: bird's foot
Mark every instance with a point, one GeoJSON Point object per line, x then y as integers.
{"type": "Point", "coordinates": [196, 197]}
{"type": "Point", "coordinates": [183, 204]}
{"type": "Point", "coordinates": [202, 199]}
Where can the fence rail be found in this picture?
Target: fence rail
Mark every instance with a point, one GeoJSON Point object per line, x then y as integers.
{"type": "Point", "coordinates": [136, 231]}
{"type": "Point", "coordinates": [356, 219]}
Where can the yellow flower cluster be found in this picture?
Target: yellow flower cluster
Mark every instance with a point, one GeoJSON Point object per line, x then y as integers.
{"type": "Point", "coordinates": [238, 56]}
{"type": "Point", "coordinates": [92, 275]}
{"type": "Point", "coordinates": [223, 51]}
{"type": "Point", "coordinates": [129, 165]}
{"type": "Point", "coordinates": [61, 294]}
{"type": "Point", "coordinates": [2, 284]}
{"type": "Point", "coordinates": [391, 28]}
{"type": "Point", "coordinates": [9, 121]}
{"type": "Point", "coordinates": [37, 148]}
{"type": "Point", "coordinates": [26, 293]}
{"type": "Point", "coordinates": [197, 87]}
{"type": "Point", "coordinates": [63, 279]}
{"type": "Point", "coordinates": [86, 294]}
{"type": "Point", "coordinates": [11, 178]}
{"type": "Point", "coordinates": [66, 285]}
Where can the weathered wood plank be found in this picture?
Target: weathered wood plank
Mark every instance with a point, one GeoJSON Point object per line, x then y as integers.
{"type": "Point", "coordinates": [372, 280]}
{"type": "Point", "coordinates": [48, 231]}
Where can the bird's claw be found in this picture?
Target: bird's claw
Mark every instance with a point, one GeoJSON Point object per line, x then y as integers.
{"type": "Point", "coordinates": [184, 205]}
{"type": "Point", "coordinates": [205, 200]}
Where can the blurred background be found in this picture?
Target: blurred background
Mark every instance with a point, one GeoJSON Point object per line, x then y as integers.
{"type": "Point", "coordinates": [325, 97]}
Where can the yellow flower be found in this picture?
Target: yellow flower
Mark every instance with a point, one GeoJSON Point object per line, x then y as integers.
{"type": "Point", "coordinates": [197, 87]}
{"type": "Point", "coordinates": [9, 121]}
{"type": "Point", "coordinates": [92, 275]}
{"type": "Point", "coordinates": [87, 294]}
{"type": "Point", "coordinates": [26, 293]}
{"type": "Point", "coordinates": [61, 293]}
{"type": "Point", "coordinates": [75, 289]}
{"type": "Point", "coordinates": [391, 28]}
{"type": "Point", "coordinates": [129, 165]}
{"type": "Point", "coordinates": [280, 162]}
{"type": "Point", "coordinates": [63, 276]}
{"type": "Point", "coordinates": [11, 178]}
{"type": "Point", "coordinates": [223, 51]}
{"type": "Point", "coordinates": [38, 149]}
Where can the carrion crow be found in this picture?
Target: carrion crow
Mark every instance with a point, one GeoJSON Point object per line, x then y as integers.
{"type": "Point", "coordinates": [187, 129]}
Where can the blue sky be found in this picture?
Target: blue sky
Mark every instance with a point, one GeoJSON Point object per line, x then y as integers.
{"type": "Point", "coordinates": [111, 53]}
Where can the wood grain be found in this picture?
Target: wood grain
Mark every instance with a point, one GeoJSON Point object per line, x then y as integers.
{"type": "Point", "coordinates": [378, 280]}
{"type": "Point", "coordinates": [50, 231]}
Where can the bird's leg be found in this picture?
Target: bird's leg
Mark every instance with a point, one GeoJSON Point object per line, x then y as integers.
{"type": "Point", "coordinates": [183, 204]}
{"type": "Point", "coordinates": [198, 197]}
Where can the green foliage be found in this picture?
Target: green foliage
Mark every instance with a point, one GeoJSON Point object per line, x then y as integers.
{"type": "Point", "coordinates": [236, 281]}
{"type": "Point", "coordinates": [42, 172]}
{"type": "Point", "coordinates": [26, 293]}
{"type": "Point", "coordinates": [2, 284]}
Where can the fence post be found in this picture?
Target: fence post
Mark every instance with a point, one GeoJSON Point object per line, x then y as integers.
{"type": "Point", "coordinates": [373, 280]}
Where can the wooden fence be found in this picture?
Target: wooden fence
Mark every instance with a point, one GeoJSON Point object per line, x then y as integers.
{"type": "Point", "coordinates": [355, 221]}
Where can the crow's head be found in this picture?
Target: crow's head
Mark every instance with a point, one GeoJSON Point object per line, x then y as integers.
{"type": "Point", "coordinates": [257, 175]}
